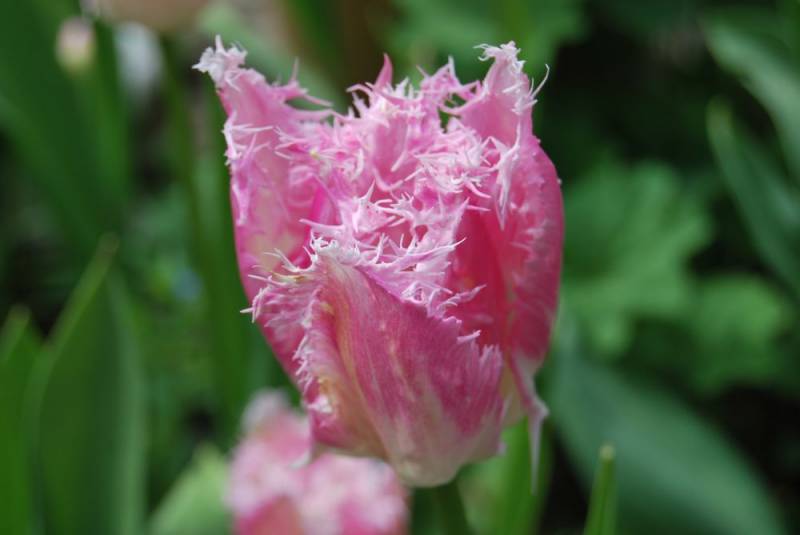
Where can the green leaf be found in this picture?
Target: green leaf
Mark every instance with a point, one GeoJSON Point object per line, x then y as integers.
{"type": "Point", "coordinates": [433, 30]}
{"type": "Point", "coordinates": [498, 492]}
{"type": "Point", "coordinates": [70, 140]}
{"type": "Point", "coordinates": [452, 519]}
{"type": "Point", "coordinates": [766, 67]}
{"type": "Point", "coordinates": [540, 27]}
{"type": "Point", "coordinates": [263, 53]}
{"type": "Point", "coordinates": [90, 444]}
{"type": "Point", "coordinates": [630, 235]}
{"type": "Point", "coordinates": [736, 325]}
{"type": "Point", "coordinates": [194, 506]}
{"type": "Point", "coordinates": [19, 349]}
{"type": "Point", "coordinates": [671, 463]}
{"type": "Point", "coordinates": [602, 506]}
{"type": "Point", "coordinates": [205, 185]}
{"type": "Point", "coordinates": [738, 334]}
{"type": "Point", "coordinates": [769, 206]}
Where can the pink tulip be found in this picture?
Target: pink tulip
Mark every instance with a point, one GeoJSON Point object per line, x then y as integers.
{"type": "Point", "coordinates": [271, 491]}
{"type": "Point", "coordinates": [405, 269]}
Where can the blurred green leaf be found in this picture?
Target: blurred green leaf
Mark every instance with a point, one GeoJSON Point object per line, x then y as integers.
{"type": "Point", "coordinates": [103, 100]}
{"type": "Point", "coordinates": [766, 66]}
{"type": "Point", "coordinates": [627, 245]}
{"type": "Point", "coordinates": [423, 514]}
{"type": "Point", "coordinates": [648, 19]}
{"type": "Point", "coordinates": [541, 27]}
{"type": "Point", "coordinates": [769, 206]}
{"type": "Point", "coordinates": [737, 334]}
{"type": "Point", "coordinates": [194, 506]}
{"type": "Point", "coordinates": [184, 169]}
{"type": "Point", "coordinates": [263, 53]}
{"type": "Point", "coordinates": [74, 156]}
{"type": "Point", "coordinates": [38, 110]}
{"type": "Point", "coordinates": [603, 504]}
{"type": "Point", "coordinates": [19, 349]}
{"type": "Point", "coordinates": [205, 183]}
{"type": "Point", "coordinates": [671, 464]}
{"type": "Point", "coordinates": [316, 22]}
{"type": "Point", "coordinates": [736, 323]}
{"type": "Point", "coordinates": [90, 445]}
{"type": "Point", "coordinates": [451, 27]}
{"type": "Point", "coordinates": [498, 494]}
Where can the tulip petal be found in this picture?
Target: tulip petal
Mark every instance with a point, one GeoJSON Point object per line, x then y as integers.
{"type": "Point", "coordinates": [269, 200]}
{"type": "Point", "coordinates": [384, 378]}
{"type": "Point", "coordinates": [513, 250]}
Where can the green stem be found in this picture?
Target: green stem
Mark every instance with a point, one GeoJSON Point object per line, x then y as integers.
{"type": "Point", "coordinates": [450, 509]}
{"type": "Point", "coordinates": [228, 371]}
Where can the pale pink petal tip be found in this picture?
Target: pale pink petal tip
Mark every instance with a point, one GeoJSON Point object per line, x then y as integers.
{"type": "Point", "coordinates": [218, 61]}
{"type": "Point", "coordinates": [332, 495]}
{"type": "Point", "coordinates": [404, 267]}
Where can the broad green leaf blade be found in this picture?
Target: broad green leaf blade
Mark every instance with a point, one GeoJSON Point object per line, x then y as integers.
{"type": "Point", "coordinates": [19, 349]}
{"type": "Point", "coordinates": [602, 506]}
{"type": "Point", "coordinates": [767, 69]}
{"type": "Point", "coordinates": [194, 506]}
{"type": "Point", "coordinates": [769, 206]}
{"type": "Point", "coordinates": [671, 464]}
{"type": "Point", "coordinates": [90, 445]}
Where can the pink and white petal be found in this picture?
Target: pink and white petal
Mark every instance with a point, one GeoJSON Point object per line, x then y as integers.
{"type": "Point", "coordinates": [501, 106]}
{"type": "Point", "coordinates": [278, 516]}
{"type": "Point", "coordinates": [523, 234]}
{"type": "Point", "coordinates": [402, 384]}
{"type": "Point", "coordinates": [268, 201]}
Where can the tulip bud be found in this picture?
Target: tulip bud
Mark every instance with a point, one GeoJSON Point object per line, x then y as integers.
{"type": "Point", "coordinates": [75, 45]}
{"type": "Point", "coordinates": [271, 491]}
{"type": "Point", "coordinates": [160, 15]}
{"type": "Point", "coordinates": [404, 270]}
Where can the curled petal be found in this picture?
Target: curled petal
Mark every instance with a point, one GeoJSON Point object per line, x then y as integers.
{"type": "Point", "coordinates": [388, 380]}
{"type": "Point", "coordinates": [269, 199]}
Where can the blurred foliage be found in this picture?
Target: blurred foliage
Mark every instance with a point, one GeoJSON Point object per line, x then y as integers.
{"type": "Point", "coordinates": [670, 463]}
{"type": "Point", "coordinates": [194, 505]}
{"type": "Point", "coordinates": [675, 126]}
{"type": "Point", "coordinates": [627, 246]}
{"type": "Point", "coordinates": [87, 403]}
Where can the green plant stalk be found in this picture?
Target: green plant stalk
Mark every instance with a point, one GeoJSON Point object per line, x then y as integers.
{"type": "Point", "coordinates": [450, 509]}
{"type": "Point", "coordinates": [228, 369]}
{"type": "Point", "coordinates": [602, 506]}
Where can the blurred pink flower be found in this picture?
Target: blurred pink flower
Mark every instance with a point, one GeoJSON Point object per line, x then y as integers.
{"type": "Point", "coordinates": [405, 269]}
{"type": "Point", "coordinates": [271, 491]}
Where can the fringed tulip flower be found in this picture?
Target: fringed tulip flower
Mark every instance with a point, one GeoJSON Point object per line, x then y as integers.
{"type": "Point", "coordinates": [271, 490]}
{"type": "Point", "coordinates": [402, 259]}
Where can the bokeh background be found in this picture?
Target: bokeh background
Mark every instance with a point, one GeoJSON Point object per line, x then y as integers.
{"type": "Point", "coordinates": [675, 127]}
